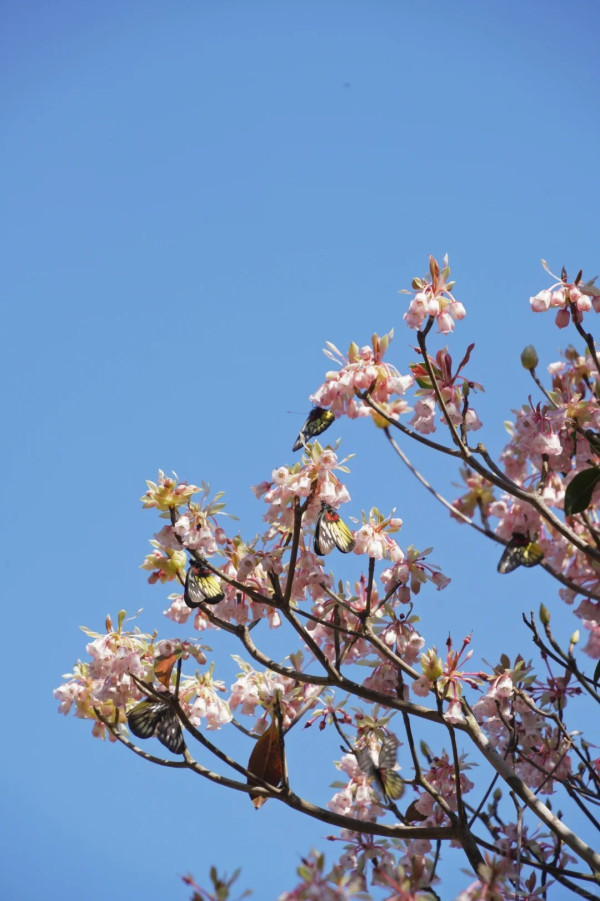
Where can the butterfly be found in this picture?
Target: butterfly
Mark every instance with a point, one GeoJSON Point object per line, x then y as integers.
{"type": "Point", "coordinates": [318, 420]}
{"type": "Point", "coordinates": [330, 530]}
{"type": "Point", "coordinates": [201, 585]}
{"type": "Point", "coordinates": [389, 783]}
{"type": "Point", "coordinates": [520, 551]}
{"type": "Point", "coordinates": [154, 717]}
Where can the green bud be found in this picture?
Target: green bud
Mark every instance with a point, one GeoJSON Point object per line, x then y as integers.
{"type": "Point", "coordinates": [353, 352]}
{"type": "Point", "coordinates": [574, 638]}
{"type": "Point", "coordinates": [529, 357]}
{"type": "Point", "coordinates": [544, 615]}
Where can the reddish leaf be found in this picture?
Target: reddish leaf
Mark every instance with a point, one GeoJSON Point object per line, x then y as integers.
{"type": "Point", "coordinates": [163, 667]}
{"type": "Point", "coordinates": [413, 814]}
{"type": "Point", "coordinates": [266, 761]}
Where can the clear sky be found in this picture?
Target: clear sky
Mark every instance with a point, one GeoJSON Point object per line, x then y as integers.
{"type": "Point", "coordinates": [196, 196]}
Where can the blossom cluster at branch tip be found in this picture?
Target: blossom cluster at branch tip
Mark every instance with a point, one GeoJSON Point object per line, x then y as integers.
{"type": "Point", "coordinates": [571, 299]}
{"type": "Point", "coordinates": [363, 372]}
{"type": "Point", "coordinates": [455, 390]}
{"type": "Point", "coordinates": [167, 493]}
{"type": "Point", "coordinates": [433, 299]}
{"type": "Point", "coordinates": [107, 683]}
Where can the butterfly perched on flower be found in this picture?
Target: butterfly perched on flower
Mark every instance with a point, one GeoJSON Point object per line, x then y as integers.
{"type": "Point", "coordinates": [331, 531]}
{"type": "Point", "coordinates": [520, 551]}
{"type": "Point", "coordinates": [201, 585]}
{"type": "Point", "coordinates": [389, 783]}
{"type": "Point", "coordinates": [157, 718]}
{"type": "Point", "coordinates": [318, 420]}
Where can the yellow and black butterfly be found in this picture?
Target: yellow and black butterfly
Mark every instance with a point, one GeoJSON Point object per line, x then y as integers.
{"type": "Point", "coordinates": [154, 717]}
{"type": "Point", "coordinates": [520, 551]}
{"type": "Point", "coordinates": [201, 585]}
{"type": "Point", "coordinates": [387, 780]}
{"type": "Point", "coordinates": [331, 531]}
{"type": "Point", "coordinates": [318, 420]}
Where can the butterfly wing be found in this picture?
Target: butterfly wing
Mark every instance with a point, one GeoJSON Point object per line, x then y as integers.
{"type": "Point", "coordinates": [144, 717]}
{"type": "Point", "coordinates": [318, 420]}
{"type": "Point", "coordinates": [201, 586]}
{"type": "Point", "coordinates": [342, 535]}
{"type": "Point", "coordinates": [364, 758]}
{"type": "Point", "coordinates": [168, 731]}
{"type": "Point", "coordinates": [520, 551]}
{"type": "Point", "coordinates": [532, 554]}
{"type": "Point", "coordinates": [150, 718]}
{"type": "Point", "coordinates": [331, 531]}
{"type": "Point", "coordinates": [392, 784]}
{"type": "Point", "coordinates": [387, 754]}
{"type": "Point", "coordinates": [324, 541]}
{"type": "Point", "coordinates": [389, 781]}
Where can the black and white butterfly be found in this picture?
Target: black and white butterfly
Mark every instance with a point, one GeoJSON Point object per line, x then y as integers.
{"type": "Point", "coordinates": [381, 770]}
{"type": "Point", "coordinates": [331, 531]}
{"type": "Point", "coordinates": [318, 420]}
{"type": "Point", "coordinates": [201, 586]}
{"type": "Point", "coordinates": [157, 718]}
{"type": "Point", "coordinates": [520, 551]}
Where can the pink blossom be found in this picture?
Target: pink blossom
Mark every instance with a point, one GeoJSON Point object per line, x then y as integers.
{"type": "Point", "coordinates": [178, 611]}
{"type": "Point", "coordinates": [199, 695]}
{"type": "Point", "coordinates": [421, 686]}
{"type": "Point", "coordinates": [454, 713]}
{"type": "Point", "coordinates": [592, 648]}
{"type": "Point", "coordinates": [541, 302]}
{"type": "Point", "coordinates": [361, 370]}
{"type": "Point", "coordinates": [424, 413]}
{"type": "Point", "coordinates": [433, 299]}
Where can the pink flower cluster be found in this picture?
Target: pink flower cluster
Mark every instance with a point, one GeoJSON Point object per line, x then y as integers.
{"type": "Point", "coordinates": [356, 798]}
{"type": "Point", "coordinates": [433, 300]}
{"type": "Point", "coordinates": [200, 697]}
{"type": "Point", "coordinates": [107, 684]}
{"type": "Point", "coordinates": [373, 537]}
{"type": "Point", "coordinates": [253, 689]}
{"type": "Point", "coordinates": [569, 298]}
{"type": "Point", "coordinates": [316, 885]}
{"type": "Point", "coordinates": [410, 573]}
{"type": "Point", "coordinates": [442, 777]}
{"type": "Point", "coordinates": [454, 388]}
{"type": "Point", "coordinates": [543, 757]}
{"type": "Point", "coordinates": [362, 370]}
{"type": "Point", "coordinates": [315, 478]}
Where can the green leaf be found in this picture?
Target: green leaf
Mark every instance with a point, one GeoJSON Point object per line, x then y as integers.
{"type": "Point", "coordinates": [424, 383]}
{"type": "Point", "coordinates": [597, 673]}
{"type": "Point", "coordinates": [578, 495]}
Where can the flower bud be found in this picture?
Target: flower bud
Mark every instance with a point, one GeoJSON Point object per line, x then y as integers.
{"type": "Point", "coordinates": [431, 665]}
{"type": "Point", "coordinates": [529, 357]}
{"type": "Point", "coordinates": [544, 615]}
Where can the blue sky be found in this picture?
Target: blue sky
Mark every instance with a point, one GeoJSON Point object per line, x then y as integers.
{"type": "Point", "coordinates": [196, 196]}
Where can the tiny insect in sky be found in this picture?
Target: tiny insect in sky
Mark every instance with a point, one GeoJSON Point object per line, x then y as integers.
{"type": "Point", "coordinates": [318, 420]}
{"type": "Point", "coordinates": [520, 551]}
{"type": "Point", "coordinates": [331, 531]}
{"type": "Point", "coordinates": [201, 585]}
{"type": "Point", "coordinates": [389, 783]}
{"type": "Point", "coordinates": [154, 717]}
